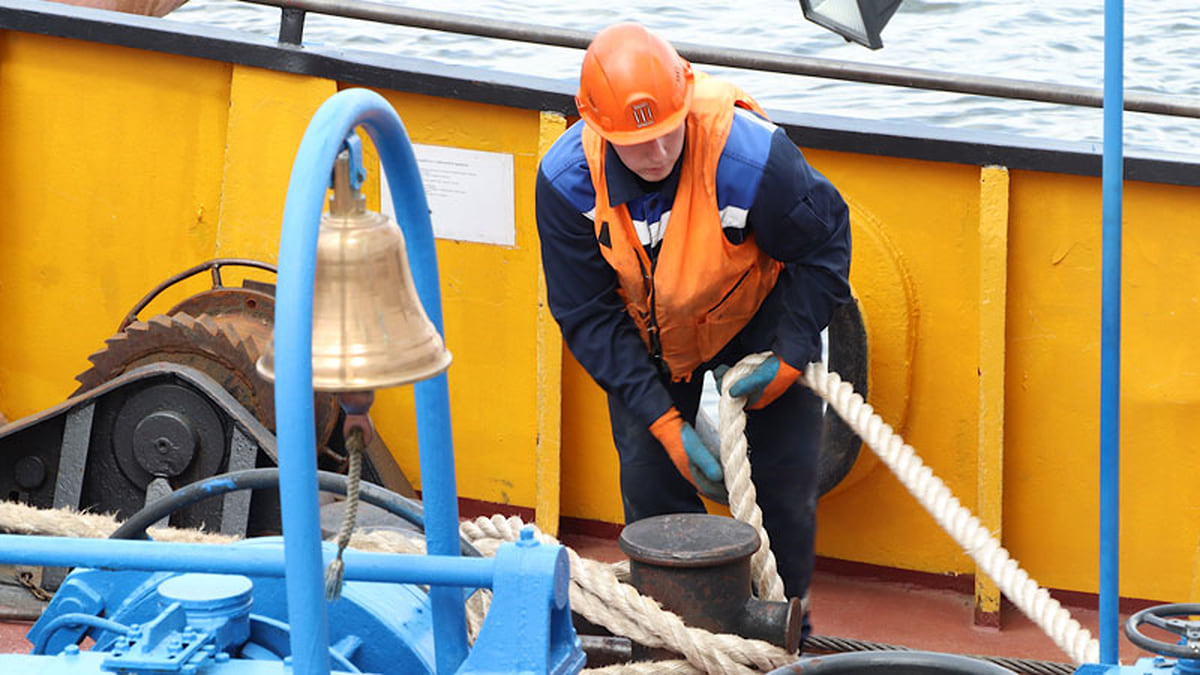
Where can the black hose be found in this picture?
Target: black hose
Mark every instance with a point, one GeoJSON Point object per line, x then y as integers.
{"type": "Point", "coordinates": [268, 478]}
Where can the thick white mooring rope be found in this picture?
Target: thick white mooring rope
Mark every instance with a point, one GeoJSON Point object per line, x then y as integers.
{"type": "Point", "coordinates": [1016, 584]}
{"type": "Point", "coordinates": [596, 590]}
{"type": "Point", "coordinates": [743, 498]}
{"type": "Point", "coordinates": [17, 518]}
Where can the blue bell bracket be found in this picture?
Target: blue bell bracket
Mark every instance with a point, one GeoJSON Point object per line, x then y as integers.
{"type": "Point", "coordinates": [358, 175]}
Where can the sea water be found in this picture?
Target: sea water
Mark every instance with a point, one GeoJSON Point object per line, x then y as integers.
{"type": "Point", "coordinates": [1059, 42]}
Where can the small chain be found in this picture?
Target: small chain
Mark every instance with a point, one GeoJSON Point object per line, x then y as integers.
{"type": "Point", "coordinates": [25, 577]}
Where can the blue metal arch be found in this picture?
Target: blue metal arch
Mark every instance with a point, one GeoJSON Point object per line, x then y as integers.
{"type": "Point", "coordinates": [324, 138]}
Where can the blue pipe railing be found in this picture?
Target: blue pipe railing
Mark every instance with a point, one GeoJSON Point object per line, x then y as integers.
{"type": "Point", "coordinates": [258, 561]}
{"type": "Point", "coordinates": [1110, 337]}
{"type": "Point", "coordinates": [324, 138]}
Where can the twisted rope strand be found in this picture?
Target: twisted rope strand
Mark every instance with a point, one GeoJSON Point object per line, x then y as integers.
{"type": "Point", "coordinates": [743, 497]}
{"type": "Point", "coordinates": [1034, 601]}
{"type": "Point", "coordinates": [337, 569]}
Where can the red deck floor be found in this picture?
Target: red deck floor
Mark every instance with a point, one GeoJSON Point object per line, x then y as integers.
{"type": "Point", "coordinates": [866, 607]}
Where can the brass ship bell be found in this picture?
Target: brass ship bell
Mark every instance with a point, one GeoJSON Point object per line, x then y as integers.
{"type": "Point", "coordinates": [369, 327]}
{"type": "Point", "coordinates": [370, 330]}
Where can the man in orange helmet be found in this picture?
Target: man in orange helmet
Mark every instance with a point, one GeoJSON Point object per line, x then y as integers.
{"type": "Point", "coordinates": [681, 231]}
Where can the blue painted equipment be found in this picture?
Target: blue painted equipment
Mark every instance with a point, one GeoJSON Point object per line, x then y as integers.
{"type": "Point", "coordinates": [258, 606]}
{"type": "Point", "coordinates": [1179, 658]}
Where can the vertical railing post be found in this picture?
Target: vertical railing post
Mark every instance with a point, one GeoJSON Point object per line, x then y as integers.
{"type": "Point", "coordinates": [1113, 175]}
{"type": "Point", "coordinates": [291, 25]}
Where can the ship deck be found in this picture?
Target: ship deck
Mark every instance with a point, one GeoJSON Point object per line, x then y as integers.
{"type": "Point", "coordinates": [925, 612]}
{"type": "Point", "coordinates": [857, 603]}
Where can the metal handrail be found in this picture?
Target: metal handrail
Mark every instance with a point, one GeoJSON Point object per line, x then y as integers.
{"type": "Point", "coordinates": [913, 78]}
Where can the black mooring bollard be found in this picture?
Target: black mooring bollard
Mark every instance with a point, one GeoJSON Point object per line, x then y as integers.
{"type": "Point", "coordinates": [698, 566]}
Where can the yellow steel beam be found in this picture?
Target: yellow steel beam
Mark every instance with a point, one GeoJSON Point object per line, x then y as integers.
{"type": "Point", "coordinates": [549, 373]}
{"type": "Point", "coordinates": [268, 113]}
{"type": "Point", "coordinates": [993, 284]}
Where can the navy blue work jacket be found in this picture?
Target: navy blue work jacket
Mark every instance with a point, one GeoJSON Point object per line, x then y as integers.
{"type": "Point", "coordinates": [764, 186]}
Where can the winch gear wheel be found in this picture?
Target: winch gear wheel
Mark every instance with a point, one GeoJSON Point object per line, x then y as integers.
{"type": "Point", "coordinates": [224, 347]}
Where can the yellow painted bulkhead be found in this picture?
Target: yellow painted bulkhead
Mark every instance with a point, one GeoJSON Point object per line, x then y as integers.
{"type": "Point", "coordinates": [122, 167]}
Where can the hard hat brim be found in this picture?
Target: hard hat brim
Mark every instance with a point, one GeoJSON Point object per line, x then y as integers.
{"type": "Point", "coordinates": [635, 136]}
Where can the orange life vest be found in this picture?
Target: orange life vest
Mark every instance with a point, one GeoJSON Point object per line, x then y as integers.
{"type": "Point", "coordinates": [703, 289]}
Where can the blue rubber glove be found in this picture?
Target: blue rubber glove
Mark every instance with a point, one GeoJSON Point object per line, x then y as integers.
{"type": "Point", "coordinates": [763, 385]}
{"type": "Point", "coordinates": [698, 463]}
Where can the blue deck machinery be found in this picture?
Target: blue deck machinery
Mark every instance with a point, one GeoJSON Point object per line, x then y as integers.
{"type": "Point", "coordinates": [259, 606]}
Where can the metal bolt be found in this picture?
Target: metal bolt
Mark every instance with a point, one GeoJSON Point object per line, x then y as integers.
{"type": "Point", "coordinates": [30, 472]}
{"type": "Point", "coordinates": [527, 539]}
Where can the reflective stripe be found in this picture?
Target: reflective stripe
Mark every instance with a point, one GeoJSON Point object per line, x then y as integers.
{"type": "Point", "coordinates": [733, 218]}
{"type": "Point", "coordinates": [748, 115]}
{"type": "Point", "coordinates": [649, 234]}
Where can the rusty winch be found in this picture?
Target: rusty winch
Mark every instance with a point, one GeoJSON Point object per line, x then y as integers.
{"type": "Point", "coordinates": [170, 400]}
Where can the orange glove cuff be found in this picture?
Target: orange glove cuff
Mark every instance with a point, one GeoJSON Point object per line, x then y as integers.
{"type": "Point", "coordinates": [784, 378]}
{"type": "Point", "coordinates": [668, 429]}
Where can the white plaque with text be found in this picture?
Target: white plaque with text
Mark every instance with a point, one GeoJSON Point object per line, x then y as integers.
{"type": "Point", "coordinates": [470, 194]}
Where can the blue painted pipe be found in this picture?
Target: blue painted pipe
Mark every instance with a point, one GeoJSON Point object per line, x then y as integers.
{"type": "Point", "coordinates": [1110, 327]}
{"type": "Point", "coordinates": [333, 121]}
{"type": "Point", "coordinates": [260, 560]}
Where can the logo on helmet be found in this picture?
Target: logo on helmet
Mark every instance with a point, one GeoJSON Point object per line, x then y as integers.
{"type": "Point", "coordinates": [643, 116]}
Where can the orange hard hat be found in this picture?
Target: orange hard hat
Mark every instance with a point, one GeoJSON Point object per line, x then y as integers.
{"type": "Point", "coordinates": [634, 86]}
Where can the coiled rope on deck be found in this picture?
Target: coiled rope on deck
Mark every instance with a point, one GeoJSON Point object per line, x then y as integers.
{"type": "Point", "coordinates": [824, 643]}
{"type": "Point", "coordinates": [598, 596]}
